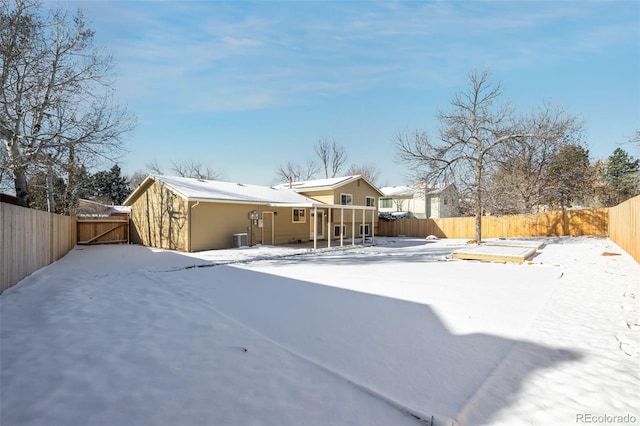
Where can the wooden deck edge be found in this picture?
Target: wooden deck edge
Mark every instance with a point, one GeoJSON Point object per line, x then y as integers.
{"type": "Point", "coordinates": [493, 257]}
{"type": "Point", "coordinates": [534, 245]}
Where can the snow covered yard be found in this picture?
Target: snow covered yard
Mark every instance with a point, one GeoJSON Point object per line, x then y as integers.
{"type": "Point", "coordinates": [380, 335]}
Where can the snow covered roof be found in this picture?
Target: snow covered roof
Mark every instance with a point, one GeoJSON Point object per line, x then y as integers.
{"type": "Point", "coordinates": [324, 184]}
{"type": "Point", "coordinates": [318, 184]}
{"type": "Point", "coordinates": [407, 191]}
{"type": "Point", "coordinates": [437, 188]}
{"type": "Point", "coordinates": [88, 207]}
{"type": "Point", "coordinates": [213, 190]}
{"type": "Point", "coordinates": [119, 209]}
{"type": "Point", "coordinates": [397, 191]}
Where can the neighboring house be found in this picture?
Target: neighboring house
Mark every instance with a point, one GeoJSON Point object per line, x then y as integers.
{"type": "Point", "coordinates": [397, 199]}
{"type": "Point", "coordinates": [190, 215]}
{"type": "Point", "coordinates": [421, 201]}
{"type": "Point", "coordinates": [9, 199]}
{"type": "Point", "coordinates": [95, 208]}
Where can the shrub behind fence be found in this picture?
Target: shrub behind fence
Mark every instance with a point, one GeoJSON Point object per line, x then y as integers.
{"type": "Point", "coordinates": [31, 239]}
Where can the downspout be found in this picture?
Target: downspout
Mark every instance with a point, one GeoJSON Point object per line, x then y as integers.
{"type": "Point", "coordinates": [190, 229]}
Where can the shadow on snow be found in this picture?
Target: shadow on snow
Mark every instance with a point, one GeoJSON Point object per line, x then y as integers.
{"type": "Point", "coordinates": [399, 352]}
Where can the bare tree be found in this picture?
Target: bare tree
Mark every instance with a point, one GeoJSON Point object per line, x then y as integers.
{"type": "Point", "coordinates": [5, 172]}
{"type": "Point", "coordinates": [137, 178]}
{"type": "Point", "coordinates": [332, 156]}
{"type": "Point", "coordinates": [635, 140]}
{"type": "Point", "coordinates": [471, 136]}
{"type": "Point", "coordinates": [189, 168]}
{"type": "Point", "coordinates": [55, 92]}
{"type": "Point", "coordinates": [518, 182]}
{"type": "Point", "coordinates": [195, 169]}
{"type": "Point", "coordinates": [154, 167]}
{"type": "Point", "coordinates": [368, 170]}
{"type": "Point", "coordinates": [292, 172]}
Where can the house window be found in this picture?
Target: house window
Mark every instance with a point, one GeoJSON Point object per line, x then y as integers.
{"type": "Point", "coordinates": [346, 199]}
{"type": "Point", "coordinates": [364, 230]}
{"type": "Point", "coordinates": [299, 216]}
{"type": "Point", "coordinates": [339, 230]}
{"type": "Point", "coordinates": [386, 203]}
{"type": "Point", "coordinates": [370, 201]}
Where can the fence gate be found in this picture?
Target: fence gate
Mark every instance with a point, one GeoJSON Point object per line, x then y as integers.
{"type": "Point", "coordinates": [103, 230]}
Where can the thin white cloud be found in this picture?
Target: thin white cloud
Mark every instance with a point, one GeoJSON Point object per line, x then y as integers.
{"type": "Point", "coordinates": [248, 55]}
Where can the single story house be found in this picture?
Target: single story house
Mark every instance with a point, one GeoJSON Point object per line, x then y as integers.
{"type": "Point", "coordinates": [188, 214]}
{"type": "Point", "coordinates": [421, 201]}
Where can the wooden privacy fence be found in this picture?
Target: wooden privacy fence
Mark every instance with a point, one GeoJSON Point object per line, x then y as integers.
{"type": "Point", "coordinates": [557, 223]}
{"type": "Point", "coordinates": [103, 230]}
{"type": "Point", "coordinates": [31, 239]}
{"type": "Point", "coordinates": [624, 226]}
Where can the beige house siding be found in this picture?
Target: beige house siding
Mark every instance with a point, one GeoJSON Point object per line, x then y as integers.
{"type": "Point", "coordinates": [163, 218]}
{"type": "Point", "coordinates": [358, 190]}
{"type": "Point", "coordinates": [214, 225]}
{"type": "Point", "coordinates": [286, 231]}
{"type": "Point", "coordinates": [324, 196]}
{"type": "Point", "coordinates": [159, 218]}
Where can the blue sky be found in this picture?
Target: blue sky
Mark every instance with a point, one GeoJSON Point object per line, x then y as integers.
{"type": "Point", "coordinates": [247, 86]}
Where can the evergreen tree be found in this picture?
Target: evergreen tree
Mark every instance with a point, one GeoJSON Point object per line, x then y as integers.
{"type": "Point", "coordinates": [110, 186]}
{"type": "Point", "coordinates": [569, 177]}
{"type": "Point", "coordinates": [622, 174]}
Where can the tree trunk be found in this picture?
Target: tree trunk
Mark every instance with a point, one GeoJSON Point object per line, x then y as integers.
{"type": "Point", "coordinates": [18, 168]}
{"type": "Point", "coordinates": [69, 201]}
{"type": "Point", "coordinates": [478, 209]}
{"type": "Point", "coordinates": [20, 185]}
{"type": "Point", "coordinates": [51, 201]}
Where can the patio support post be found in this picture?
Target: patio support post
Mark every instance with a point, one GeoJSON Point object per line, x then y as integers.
{"type": "Point", "coordinates": [373, 222]}
{"type": "Point", "coordinates": [341, 226]}
{"type": "Point", "coordinates": [353, 227]}
{"type": "Point", "coordinates": [329, 228]}
{"type": "Point", "coordinates": [364, 222]}
{"type": "Point", "coordinates": [315, 227]}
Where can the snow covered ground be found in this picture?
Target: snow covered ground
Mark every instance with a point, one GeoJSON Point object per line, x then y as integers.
{"type": "Point", "coordinates": [389, 334]}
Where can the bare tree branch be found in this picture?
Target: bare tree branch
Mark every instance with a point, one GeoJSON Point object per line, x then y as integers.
{"type": "Point", "coordinates": [195, 169]}
{"type": "Point", "coordinates": [367, 170]}
{"type": "Point", "coordinates": [55, 94]}
{"type": "Point", "coordinates": [332, 156]}
{"type": "Point", "coordinates": [292, 172]}
{"type": "Point", "coordinates": [475, 135]}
